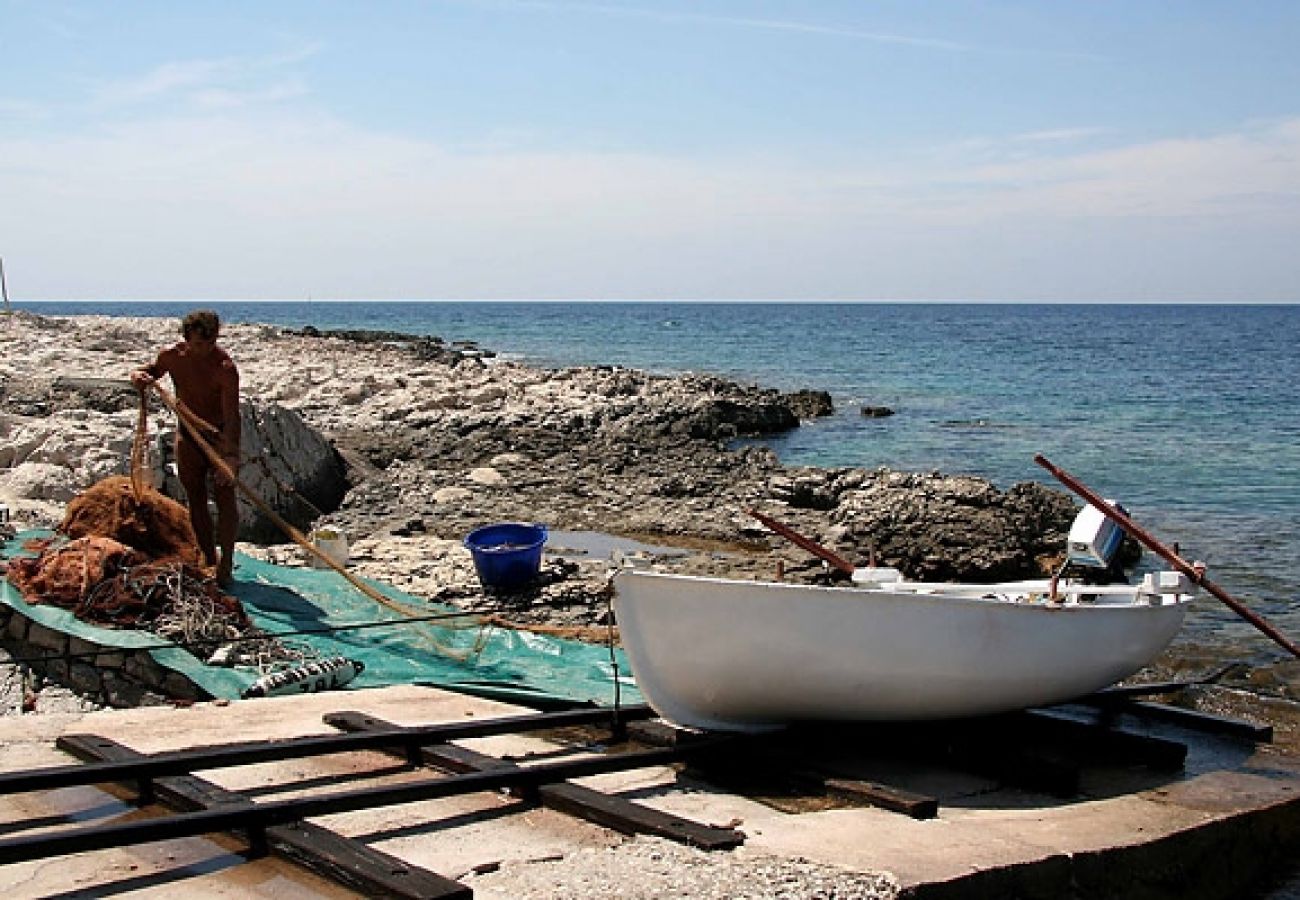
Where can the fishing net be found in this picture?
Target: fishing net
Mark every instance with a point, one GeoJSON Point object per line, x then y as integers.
{"type": "Point", "coordinates": [131, 561]}
{"type": "Point", "coordinates": [145, 520]}
{"type": "Point", "coordinates": [64, 575]}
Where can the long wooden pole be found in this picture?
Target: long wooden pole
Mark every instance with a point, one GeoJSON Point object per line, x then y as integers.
{"type": "Point", "coordinates": [808, 544]}
{"type": "Point", "coordinates": [193, 427]}
{"type": "Point", "coordinates": [4, 285]}
{"type": "Point", "coordinates": [1141, 534]}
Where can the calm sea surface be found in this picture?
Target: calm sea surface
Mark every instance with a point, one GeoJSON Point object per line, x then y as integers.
{"type": "Point", "coordinates": [1187, 414]}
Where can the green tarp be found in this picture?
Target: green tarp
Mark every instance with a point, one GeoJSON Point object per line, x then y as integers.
{"type": "Point", "coordinates": [511, 665]}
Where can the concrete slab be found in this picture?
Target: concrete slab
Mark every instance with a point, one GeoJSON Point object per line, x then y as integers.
{"type": "Point", "coordinates": [1235, 809]}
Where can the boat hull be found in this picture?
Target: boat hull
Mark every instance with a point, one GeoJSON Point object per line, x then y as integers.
{"type": "Point", "coordinates": [735, 655]}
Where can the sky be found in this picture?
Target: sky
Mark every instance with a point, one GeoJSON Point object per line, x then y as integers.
{"type": "Point", "coordinates": [651, 149]}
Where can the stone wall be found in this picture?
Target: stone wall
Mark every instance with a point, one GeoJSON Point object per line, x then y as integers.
{"type": "Point", "coordinates": [105, 676]}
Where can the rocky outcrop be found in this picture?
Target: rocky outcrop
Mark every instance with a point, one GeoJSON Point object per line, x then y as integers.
{"type": "Point", "coordinates": [938, 527]}
{"type": "Point", "coordinates": [86, 436]}
{"type": "Point", "coordinates": [809, 404]}
{"type": "Point", "coordinates": [289, 465]}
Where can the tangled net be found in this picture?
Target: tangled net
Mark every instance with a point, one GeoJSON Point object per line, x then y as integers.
{"type": "Point", "coordinates": [135, 515]}
{"type": "Point", "coordinates": [132, 561]}
{"type": "Point", "coordinates": [103, 581]}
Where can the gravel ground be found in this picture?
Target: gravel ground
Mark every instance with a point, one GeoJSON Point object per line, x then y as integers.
{"type": "Point", "coordinates": [652, 869]}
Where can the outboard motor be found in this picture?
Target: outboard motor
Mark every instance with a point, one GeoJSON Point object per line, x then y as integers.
{"type": "Point", "coordinates": [1095, 538]}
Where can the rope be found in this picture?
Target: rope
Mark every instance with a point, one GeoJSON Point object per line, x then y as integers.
{"type": "Point", "coordinates": [201, 642]}
{"type": "Point", "coordinates": [193, 426]}
{"type": "Point", "coordinates": [138, 445]}
{"type": "Point", "coordinates": [617, 726]}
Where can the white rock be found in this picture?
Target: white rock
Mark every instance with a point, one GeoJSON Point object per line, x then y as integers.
{"type": "Point", "coordinates": [507, 460]}
{"type": "Point", "coordinates": [487, 476]}
{"type": "Point", "coordinates": [452, 495]}
{"type": "Point", "coordinates": [40, 481]}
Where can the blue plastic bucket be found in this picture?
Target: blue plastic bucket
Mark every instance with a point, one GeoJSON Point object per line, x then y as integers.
{"type": "Point", "coordinates": [508, 554]}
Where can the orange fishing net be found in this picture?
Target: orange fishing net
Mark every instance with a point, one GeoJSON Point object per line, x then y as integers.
{"type": "Point", "coordinates": [63, 575]}
{"type": "Point", "coordinates": [132, 559]}
{"type": "Point", "coordinates": [150, 522]}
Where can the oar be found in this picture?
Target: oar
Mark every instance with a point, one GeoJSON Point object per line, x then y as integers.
{"type": "Point", "coordinates": [808, 544]}
{"type": "Point", "coordinates": [193, 426]}
{"type": "Point", "coordinates": [1168, 554]}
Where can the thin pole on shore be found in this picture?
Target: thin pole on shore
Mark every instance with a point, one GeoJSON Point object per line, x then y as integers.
{"type": "Point", "coordinates": [4, 285]}
{"type": "Point", "coordinates": [193, 425]}
{"type": "Point", "coordinates": [1142, 535]}
{"type": "Point", "coordinates": [808, 544]}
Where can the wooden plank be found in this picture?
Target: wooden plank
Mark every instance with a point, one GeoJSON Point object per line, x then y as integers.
{"type": "Point", "coordinates": [351, 863]}
{"type": "Point", "coordinates": [1190, 718]}
{"type": "Point", "coordinates": [183, 762]}
{"type": "Point", "coordinates": [658, 733]}
{"type": "Point", "coordinates": [1119, 744]}
{"type": "Point", "coordinates": [603, 809]}
{"type": "Point", "coordinates": [918, 806]}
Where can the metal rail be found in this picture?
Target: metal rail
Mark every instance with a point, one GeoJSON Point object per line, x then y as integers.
{"type": "Point", "coordinates": [412, 738]}
{"type": "Point", "coordinates": [254, 819]}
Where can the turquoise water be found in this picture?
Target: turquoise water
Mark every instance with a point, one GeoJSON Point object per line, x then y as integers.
{"type": "Point", "coordinates": [1186, 413]}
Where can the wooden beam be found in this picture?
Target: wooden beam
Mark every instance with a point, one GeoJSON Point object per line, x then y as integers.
{"type": "Point", "coordinates": [918, 806]}
{"type": "Point", "coordinates": [604, 809]}
{"type": "Point", "coordinates": [351, 863]}
{"type": "Point", "coordinates": [1187, 718]}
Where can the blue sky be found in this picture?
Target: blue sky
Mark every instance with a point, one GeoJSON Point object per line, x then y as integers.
{"type": "Point", "coordinates": [717, 149]}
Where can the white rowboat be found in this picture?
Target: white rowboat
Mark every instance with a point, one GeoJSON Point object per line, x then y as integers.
{"type": "Point", "coordinates": [721, 654]}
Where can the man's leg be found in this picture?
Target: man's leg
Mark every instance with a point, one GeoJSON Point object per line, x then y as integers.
{"type": "Point", "coordinates": [227, 526]}
{"type": "Point", "coordinates": [192, 467]}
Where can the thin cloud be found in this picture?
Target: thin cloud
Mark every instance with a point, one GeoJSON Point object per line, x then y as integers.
{"type": "Point", "coordinates": [22, 109]}
{"type": "Point", "coordinates": [786, 25]}
{"type": "Point", "coordinates": [1057, 135]}
{"type": "Point", "coordinates": [206, 79]}
{"type": "Point", "coordinates": [736, 21]}
{"type": "Point", "coordinates": [1253, 172]}
{"type": "Point", "coordinates": [156, 207]}
{"type": "Point", "coordinates": [222, 98]}
{"type": "Point", "coordinates": [166, 79]}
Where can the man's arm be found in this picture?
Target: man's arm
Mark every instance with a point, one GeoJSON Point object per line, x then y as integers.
{"type": "Point", "coordinates": [146, 375]}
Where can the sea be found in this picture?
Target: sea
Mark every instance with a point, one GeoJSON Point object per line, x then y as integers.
{"type": "Point", "coordinates": [1186, 414]}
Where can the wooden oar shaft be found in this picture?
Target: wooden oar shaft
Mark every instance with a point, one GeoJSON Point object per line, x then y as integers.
{"type": "Point", "coordinates": [193, 425]}
{"type": "Point", "coordinates": [1146, 538]}
{"type": "Point", "coordinates": [808, 544]}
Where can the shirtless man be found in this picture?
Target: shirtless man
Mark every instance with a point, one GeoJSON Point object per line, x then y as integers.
{"type": "Point", "coordinates": [207, 383]}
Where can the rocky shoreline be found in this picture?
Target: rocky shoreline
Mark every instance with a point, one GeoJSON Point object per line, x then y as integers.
{"type": "Point", "coordinates": [405, 444]}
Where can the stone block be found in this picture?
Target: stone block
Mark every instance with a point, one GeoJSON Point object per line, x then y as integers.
{"type": "Point", "coordinates": [81, 648]}
{"type": "Point", "coordinates": [109, 659]}
{"type": "Point", "coordinates": [141, 668]}
{"type": "Point", "coordinates": [17, 627]}
{"type": "Point", "coordinates": [177, 685]}
{"type": "Point", "coordinates": [84, 678]}
{"type": "Point", "coordinates": [42, 637]}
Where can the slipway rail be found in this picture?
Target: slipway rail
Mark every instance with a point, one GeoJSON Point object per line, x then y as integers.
{"type": "Point", "coordinates": [257, 817]}
{"type": "Point", "coordinates": [1044, 750]}
{"type": "Point", "coordinates": [278, 825]}
{"type": "Point", "coordinates": [226, 755]}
